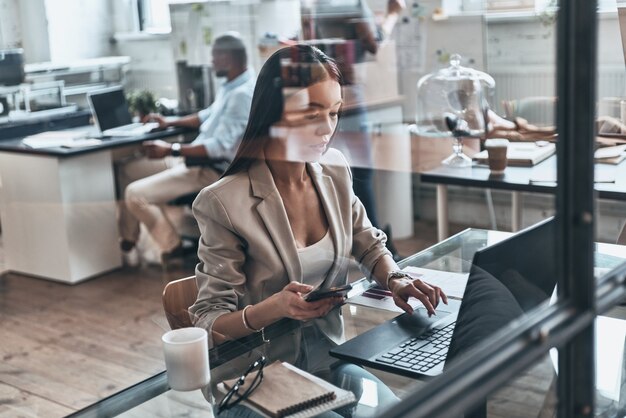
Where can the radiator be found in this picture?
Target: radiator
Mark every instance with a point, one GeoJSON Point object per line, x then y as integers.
{"type": "Point", "coordinates": [511, 85]}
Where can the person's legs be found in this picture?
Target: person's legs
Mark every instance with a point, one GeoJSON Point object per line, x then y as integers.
{"type": "Point", "coordinates": [145, 199]}
{"type": "Point", "coordinates": [237, 411]}
{"type": "Point", "coordinates": [355, 140]}
{"type": "Point", "coordinates": [363, 185]}
{"type": "Point", "coordinates": [126, 173]}
{"type": "Point", "coordinates": [373, 396]}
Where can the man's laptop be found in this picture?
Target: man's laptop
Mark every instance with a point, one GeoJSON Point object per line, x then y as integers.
{"type": "Point", "coordinates": [505, 280]}
{"type": "Point", "coordinates": [110, 111]}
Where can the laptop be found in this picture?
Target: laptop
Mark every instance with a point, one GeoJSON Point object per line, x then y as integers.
{"type": "Point", "coordinates": [505, 280]}
{"type": "Point", "coordinates": [110, 111]}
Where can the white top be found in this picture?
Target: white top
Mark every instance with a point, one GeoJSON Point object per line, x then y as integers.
{"type": "Point", "coordinates": [316, 260]}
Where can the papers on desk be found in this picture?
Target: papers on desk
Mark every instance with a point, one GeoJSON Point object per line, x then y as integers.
{"type": "Point", "coordinates": [522, 154]}
{"type": "Point", "coordinates": [67, 139]}
{"type": "Point", "coordinates": [452, 284]}
{"type": "Point", "coordinates": [610, 155]}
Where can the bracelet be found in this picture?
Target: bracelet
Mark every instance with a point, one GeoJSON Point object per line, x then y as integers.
{"type": "Point", "coordinates": [245, 321]}
{"type": "Point", "coordinates": [396, 275]}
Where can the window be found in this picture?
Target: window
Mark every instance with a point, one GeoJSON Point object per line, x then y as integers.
{"type": "Point", "coordinates": [154, 16]}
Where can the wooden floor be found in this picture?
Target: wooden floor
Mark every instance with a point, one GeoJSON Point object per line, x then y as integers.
{"type": "Point", "coordinates": [64, 347]}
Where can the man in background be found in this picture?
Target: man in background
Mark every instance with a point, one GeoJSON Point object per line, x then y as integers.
{"type": "Point", "coordinates": [149, 183]}
{"type": "Point", "coordinates": [354, 22]}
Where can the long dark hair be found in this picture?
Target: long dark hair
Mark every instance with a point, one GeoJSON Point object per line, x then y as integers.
{"type": "Point", "coordinates": [293, 66]}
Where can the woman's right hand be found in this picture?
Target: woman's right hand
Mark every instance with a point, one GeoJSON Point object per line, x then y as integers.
{"type": "Point", "coordinates": [291, 303]}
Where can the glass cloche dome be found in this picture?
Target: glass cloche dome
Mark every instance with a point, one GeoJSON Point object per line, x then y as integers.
{"type": "Point", "coordinates": [453, 102]}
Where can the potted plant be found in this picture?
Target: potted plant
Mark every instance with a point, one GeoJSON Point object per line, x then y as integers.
{"type": "Point", "coordinates": [141, 103]}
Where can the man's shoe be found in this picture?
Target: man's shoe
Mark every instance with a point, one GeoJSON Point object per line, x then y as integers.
{"type": "Point", "coordinates": [178, 253]}
{"type": "Point", "coordinates": [131, 257]}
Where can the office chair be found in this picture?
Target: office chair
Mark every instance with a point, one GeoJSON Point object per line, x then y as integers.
{"type": "Point", "coordinates": [178, 296]}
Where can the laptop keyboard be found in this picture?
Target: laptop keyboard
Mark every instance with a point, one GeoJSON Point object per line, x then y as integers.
{"type": "Point", "coordinates": [132, 129]}
{"type": "Point", "coordinates": [421, 353]}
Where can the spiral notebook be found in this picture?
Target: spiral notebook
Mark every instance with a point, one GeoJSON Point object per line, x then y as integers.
{"type": "Point", "coordinates": [287, 391]}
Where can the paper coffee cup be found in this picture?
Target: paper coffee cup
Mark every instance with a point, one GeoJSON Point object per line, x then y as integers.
{"type": "Point", "coordinates": [496, 151]}
{"type": "Point", "coordinates": [186, 353]}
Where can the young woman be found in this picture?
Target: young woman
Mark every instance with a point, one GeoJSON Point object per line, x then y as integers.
{"type": "Point", "coordinates": [283, 220]}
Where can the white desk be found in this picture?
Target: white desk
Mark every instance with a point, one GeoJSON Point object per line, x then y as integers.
{"type": "Point", "coordinates": [58, 209]}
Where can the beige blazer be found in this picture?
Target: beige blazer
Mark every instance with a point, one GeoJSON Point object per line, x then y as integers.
{"type": "Point", "coordinates": [247, 251]}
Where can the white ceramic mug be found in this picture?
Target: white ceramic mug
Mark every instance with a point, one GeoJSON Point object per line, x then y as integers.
{"type": "Point", "coordinates": [186, 353]}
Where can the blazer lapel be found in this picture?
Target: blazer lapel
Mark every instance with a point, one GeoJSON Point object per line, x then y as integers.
{"type": "Point", "coordinates": [273, 214]}
{"type": "Point", "coordinates": [330, 202]}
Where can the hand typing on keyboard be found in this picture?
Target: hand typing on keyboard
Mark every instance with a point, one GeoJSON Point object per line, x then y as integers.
{"type": "Point", "coordinates": [405, 287]}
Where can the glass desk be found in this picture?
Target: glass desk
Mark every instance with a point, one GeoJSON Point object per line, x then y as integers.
{"type": "Point", "coordinates": [153, 397]}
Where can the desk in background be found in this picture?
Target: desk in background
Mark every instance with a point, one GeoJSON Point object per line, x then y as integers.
{"type": "Point", "coordinates": [517, 180]}
{"type": "Point", "coordinates": [58, 208]}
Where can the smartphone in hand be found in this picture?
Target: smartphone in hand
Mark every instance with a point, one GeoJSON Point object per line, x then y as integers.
{"type": "Point", "coordinates": [327, 293]}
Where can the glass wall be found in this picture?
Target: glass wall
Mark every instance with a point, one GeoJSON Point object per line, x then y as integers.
{"type": "Point", "coordinates": [468, 132]}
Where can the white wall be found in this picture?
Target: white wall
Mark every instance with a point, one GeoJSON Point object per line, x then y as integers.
{"type": "Point", "coordinates": [153, 62]}
{"type": "Point", "coordinates": [124, 15]}
{"type": "Point", "coordinates": [520, 53]}
{"type": "Point", "coordinates": [34, 28]}
{"type": "Point", "coordinates": [10, 29]}
{"type": "Point", "coordinates": [79, 29]}
{"type": "Point", "coordinates": [527, 50]}
{"type": "Point", "coordinates": [53, 30]}
{"type": "Point", "coordinates": [152, 65]}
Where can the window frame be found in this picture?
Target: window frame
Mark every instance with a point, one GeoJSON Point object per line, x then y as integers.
{"type": "Point", "coordinates": [143, 18]}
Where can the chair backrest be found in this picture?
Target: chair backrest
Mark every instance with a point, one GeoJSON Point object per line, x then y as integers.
{"type": "Point", "coordinates": [178, 296]}
{"type": "Point", "coordinates": [538, 111]}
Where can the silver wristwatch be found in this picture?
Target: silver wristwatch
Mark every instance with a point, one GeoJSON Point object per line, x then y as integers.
{"type": "Point", "coordinates": [396, 274]}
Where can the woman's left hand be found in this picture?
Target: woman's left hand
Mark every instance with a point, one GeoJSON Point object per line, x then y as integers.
{"type": "Point", "coordinates": [428, 294]}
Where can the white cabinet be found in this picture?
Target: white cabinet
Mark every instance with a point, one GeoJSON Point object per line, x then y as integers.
{"type": "Point", "coordinates": [59, 215]}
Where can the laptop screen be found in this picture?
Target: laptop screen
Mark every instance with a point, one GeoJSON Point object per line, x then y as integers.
{"type": "Point", "coordinates": [109, 108]}
{"type": "Point", "coordinates": [505, 281]}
